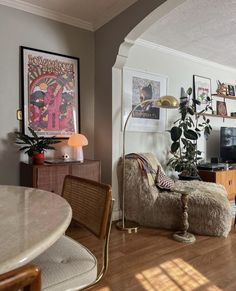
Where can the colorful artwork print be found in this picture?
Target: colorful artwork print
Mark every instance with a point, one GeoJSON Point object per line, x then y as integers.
{"type": "Point", "coordinates": [201, 91]}
{"type": "Point", "coordinates": [50, 93]}
{"type": "Point", "coordinates": [145, 89]}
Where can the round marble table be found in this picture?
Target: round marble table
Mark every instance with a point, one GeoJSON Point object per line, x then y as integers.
{"type": "Point", "coordinates": [31, 220]}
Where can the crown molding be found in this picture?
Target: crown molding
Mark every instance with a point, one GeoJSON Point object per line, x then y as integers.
{"type": "Point", "coordinates": [152, 45]}
{"type": "Point", "coordinates": [47, 13]}
{"type": "Point", "coordinates": [113, 11]}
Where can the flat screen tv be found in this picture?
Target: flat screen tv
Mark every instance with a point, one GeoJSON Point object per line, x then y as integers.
{"type": "Point", "coordinates": [228, 144]}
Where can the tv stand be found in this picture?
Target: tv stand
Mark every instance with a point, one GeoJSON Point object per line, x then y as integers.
{"type": "Point", "coordinates": [227, 178]}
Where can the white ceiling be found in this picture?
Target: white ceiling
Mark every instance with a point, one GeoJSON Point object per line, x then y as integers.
{"type": "Point", "coordinates": [202, 28]}
{"type": "Point", "coordinates": [88, 14]}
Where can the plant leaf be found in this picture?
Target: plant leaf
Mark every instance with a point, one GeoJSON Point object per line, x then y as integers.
{"type": "Point", "coordinates": [190, 134]}
{"type": "Point", "coordinates": [175, 147]}
{"type": "Point", "coordinates": [33, 133]}
{"type": "Point", "coordinates": [197, 102]}
{"type": "Point", "coordinates": [175, 133]}
{"type": "Point", "coordinates": [189, 91]}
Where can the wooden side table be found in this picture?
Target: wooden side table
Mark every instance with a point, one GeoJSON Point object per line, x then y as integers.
{"type": "Point", "coordinates": [227, 178]}
{"type": "Point", "coordinates": [50, 177]}
{"type": "Point", "coordinates": [183, 235]}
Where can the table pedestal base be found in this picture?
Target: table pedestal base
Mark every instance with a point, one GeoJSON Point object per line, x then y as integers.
{"type": "Point", "coordinates": [184, 237]}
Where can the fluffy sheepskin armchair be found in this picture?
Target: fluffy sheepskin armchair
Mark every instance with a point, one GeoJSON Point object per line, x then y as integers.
{"type": "Point", "coordinates": [209, 209]}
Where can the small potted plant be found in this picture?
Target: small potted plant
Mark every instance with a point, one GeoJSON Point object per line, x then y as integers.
{"type": "Point", "coordinates": [35, 145]}
{"type": "Point", "coordinates": [185, 133]}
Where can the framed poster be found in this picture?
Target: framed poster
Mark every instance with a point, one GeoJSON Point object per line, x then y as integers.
{"type": "Point", "coordinates": [137, 87]}
{"type": "Point", "coordinates": [201, 91]}
{"type": "Point", "coordinates": [50, 98]}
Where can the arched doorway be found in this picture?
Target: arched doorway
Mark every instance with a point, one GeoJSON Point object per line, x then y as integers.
{"type": "Point", "coordinates": [117, 87]}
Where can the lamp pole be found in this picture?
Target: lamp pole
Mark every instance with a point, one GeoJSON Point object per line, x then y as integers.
{"type": "Point", "coordinates": [163, 102]}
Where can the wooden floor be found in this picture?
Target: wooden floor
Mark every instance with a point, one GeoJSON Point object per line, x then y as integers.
{"type": "Point", "coordinates": [152, 260]}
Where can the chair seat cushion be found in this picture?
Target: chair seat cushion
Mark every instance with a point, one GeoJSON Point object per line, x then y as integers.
{"type": "Point", "coordinates": [67, 265]}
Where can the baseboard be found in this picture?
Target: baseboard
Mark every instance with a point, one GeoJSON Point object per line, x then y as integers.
{"type": "Point", "coordinates": [116, 215]}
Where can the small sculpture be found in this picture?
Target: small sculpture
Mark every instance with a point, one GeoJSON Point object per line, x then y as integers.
{"type": "Point", "coordinates": [221, 90]}
{"type": "Point", "coordinates": [65, 156]}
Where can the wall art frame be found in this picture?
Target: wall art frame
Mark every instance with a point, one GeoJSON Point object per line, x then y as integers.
{"type": "Point", "coordinates": [50, 93]}
{"type": "Point", "coordinates": [230, 90]}
{"type": "Point", "coordinates": [138, 86]}
{"type": "Point", "coordinates": [221, 108]}
{"type": "Point", "coordinates": [201, 90]}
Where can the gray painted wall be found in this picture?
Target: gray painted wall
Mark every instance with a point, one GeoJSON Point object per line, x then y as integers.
{"type": "Point", "coordinates": [20, 28]}
{"type": "Point", "coordinates": [107, 42]}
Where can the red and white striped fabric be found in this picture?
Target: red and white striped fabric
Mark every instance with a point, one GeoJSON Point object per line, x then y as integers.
{"type": "Point", "coordinates": [162, 181]}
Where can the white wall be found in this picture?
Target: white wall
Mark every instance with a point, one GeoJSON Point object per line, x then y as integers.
{"type": "Point", "coordinates": [18, 28]}
{"type": "Point", "coordinates": [180, 71]}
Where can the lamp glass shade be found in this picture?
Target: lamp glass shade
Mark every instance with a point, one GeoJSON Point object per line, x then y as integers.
{"type": "Point", "coordinates": [77, 140]}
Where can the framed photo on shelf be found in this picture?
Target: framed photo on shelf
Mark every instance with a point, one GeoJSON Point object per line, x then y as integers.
{"type": "Point", "coordinates": [137, 87]}
{"type": "Point", "coordinates": [230, 91]}
{"type": "Point", "coordinates": [221, 108]}
{"type": "Point", "coordinates": [201, 91]}
{"type": "Point", "coordinates": [50, 97]}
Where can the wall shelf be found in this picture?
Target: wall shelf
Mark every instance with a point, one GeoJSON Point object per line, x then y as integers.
{"type": "Point", "coordinates": [215, 115]}
{"type": "Point", "coordinates": [224, 96]}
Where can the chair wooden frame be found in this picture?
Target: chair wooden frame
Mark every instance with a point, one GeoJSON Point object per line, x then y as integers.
{"type": "Point", "coordinates": [27, 278]}
{"type": "Point", "coordinates": [104, 232]}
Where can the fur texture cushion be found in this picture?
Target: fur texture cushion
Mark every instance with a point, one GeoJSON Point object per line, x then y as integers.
{"type": "Point", "coordinates": [209, 209]}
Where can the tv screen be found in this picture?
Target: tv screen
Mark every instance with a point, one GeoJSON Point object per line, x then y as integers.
{"type": "Point", "coordinates": [228, 144]}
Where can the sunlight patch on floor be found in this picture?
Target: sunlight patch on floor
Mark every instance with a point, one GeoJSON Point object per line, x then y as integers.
{"type": "Point", "coordinates": [174, 275]}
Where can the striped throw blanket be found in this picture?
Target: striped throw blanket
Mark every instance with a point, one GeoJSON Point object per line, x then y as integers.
{"type": "Point", "coordinates": [145, 166]}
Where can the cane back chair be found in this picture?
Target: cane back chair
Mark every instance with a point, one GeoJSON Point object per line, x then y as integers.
{"type": "Point", "coordinates": [26, 278]}
{"type": "Point", "coordinates": [68, 265]}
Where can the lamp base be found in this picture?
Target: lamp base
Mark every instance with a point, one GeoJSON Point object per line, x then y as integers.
{"type": "Point", "coordinates": [78, 154]}
{"type": "Point", "coordinates": [129, 226]}
{"type": "Point", "coordinates": [184, 237]}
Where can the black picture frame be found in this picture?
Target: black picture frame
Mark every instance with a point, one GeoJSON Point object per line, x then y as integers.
{"type": "Point", "coordinates": [230, 90]}
{"type": "Point", "coordinates": [50, 93]}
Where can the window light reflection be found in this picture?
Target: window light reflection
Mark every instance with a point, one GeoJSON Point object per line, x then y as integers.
{"type": "Point", "coordinates": [174, 275]}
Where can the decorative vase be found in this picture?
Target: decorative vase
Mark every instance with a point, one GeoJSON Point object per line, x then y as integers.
{"type": "Point", "coordinates": [38, 158]}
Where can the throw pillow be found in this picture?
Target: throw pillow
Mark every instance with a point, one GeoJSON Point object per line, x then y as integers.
{"type": "Point", "coordinates": [162, 181]}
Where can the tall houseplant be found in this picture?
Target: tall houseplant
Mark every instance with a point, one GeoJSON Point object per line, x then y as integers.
{"type": "Point", "coordinates": [35, 145]}
{"type": "Point", "coordinates": [185, 133]}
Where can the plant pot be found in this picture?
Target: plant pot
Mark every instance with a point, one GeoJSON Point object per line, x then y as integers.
{"type": "Point", "coordinates": [189, 178]}
{"type": "Point", "coordinates": [38, 158]}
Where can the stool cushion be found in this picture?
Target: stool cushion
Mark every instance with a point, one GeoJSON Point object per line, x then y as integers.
{"type": "Point", "coordinates": [67, 265]}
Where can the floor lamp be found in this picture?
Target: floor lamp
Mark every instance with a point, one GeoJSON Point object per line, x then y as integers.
{"type": "Point", "coordinates": [168, 102]}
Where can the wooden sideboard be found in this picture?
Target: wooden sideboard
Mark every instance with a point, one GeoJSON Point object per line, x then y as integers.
{"type": "Point", "coordinates": [50, 177]}
{"type": "Point", "coordinates": [226, 178]}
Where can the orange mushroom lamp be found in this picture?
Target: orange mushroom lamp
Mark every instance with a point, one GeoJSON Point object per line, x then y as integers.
{"type": "Point", "coordinates": [77, 141]}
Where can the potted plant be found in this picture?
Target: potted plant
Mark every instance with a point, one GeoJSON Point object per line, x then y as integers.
{"type": "Point", "coordinates": [185, 133]}
{"type": "Point", "coordinates": [35, 145]}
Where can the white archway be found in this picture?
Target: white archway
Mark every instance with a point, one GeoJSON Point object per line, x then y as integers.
{"type": "Point", "coordinates": [117, 86]}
